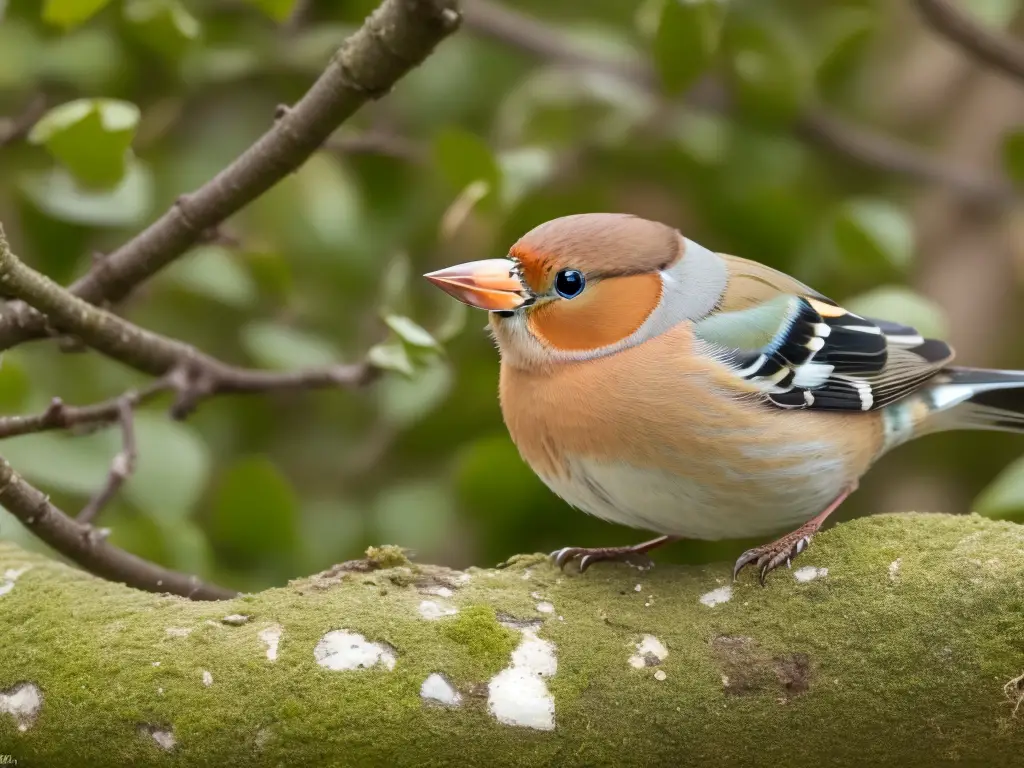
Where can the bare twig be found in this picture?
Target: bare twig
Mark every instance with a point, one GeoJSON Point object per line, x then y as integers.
{"type": "Point", "coordinates": [15, 128]}
{"type": "Point", "coordinates": [395, 38]}
{"type": "Point", "coordinates": [817, 125]}
{"type": "Point", "coordinates": [386, 144]}
{"type": "Point", "coordinates": [83, 545]}
{"type": "Point", "coordinates": [991, 48]}
{"type": "Point", "coordinates": [121, 467]}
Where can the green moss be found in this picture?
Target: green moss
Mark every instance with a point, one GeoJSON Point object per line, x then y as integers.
{"type": "Point", "coordinates": [387, 556]}
{"type": "Point", "coordinates": [476, 629]}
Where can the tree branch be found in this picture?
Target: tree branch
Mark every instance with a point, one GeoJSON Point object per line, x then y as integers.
{"type": "Point", "coordinates": [121, 467]}
{"type": "Point", "coordinates": [395, 38]}
{"type": "Point", "coordinates": [15, 128]}
{"type": "Point", "coordinates": [84, 545]}
{"type": "Point", "coordinates": [897, 644]}
{"type": "Point", "coordinates": [991, 48]}
{"type": "Point", "coordinates": [194, 375]}
{"type": "Point", "coordinates": [817, 125]}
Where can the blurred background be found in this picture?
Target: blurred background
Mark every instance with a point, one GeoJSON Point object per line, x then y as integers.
{"type": "Point", "coordinates": [506, 126]}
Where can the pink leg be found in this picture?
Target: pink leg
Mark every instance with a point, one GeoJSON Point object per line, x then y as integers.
{"type": "Point", "coordinates": [588, 557]}
{"type": "Point", "coordinates": [770, 556]}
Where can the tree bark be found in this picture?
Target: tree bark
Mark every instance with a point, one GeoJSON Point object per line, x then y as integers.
{"type": "Point", "coordinates": [895, 640]}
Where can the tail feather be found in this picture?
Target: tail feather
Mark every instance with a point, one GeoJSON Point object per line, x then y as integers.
{"type": "Point", "coordinates": [976, 398]}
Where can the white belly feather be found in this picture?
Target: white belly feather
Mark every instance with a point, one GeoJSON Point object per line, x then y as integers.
{"type": "Point", "coordinates": [668, 503]}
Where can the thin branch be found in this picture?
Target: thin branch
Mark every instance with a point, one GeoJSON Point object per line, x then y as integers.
{"type": "Point", "coordinates": [817, 125]}
{"type": "Point", "coordinates": [121, 468]}
{"type": "Point", "coordinates": [989, 47]}
{"type": "Point", "coordinates": [375, 143]}
{"type": "Point", "coordinates": [194, 375]}
{"type": "Point", "coordinates": [83, 545]}
{"type": "Point", "coordinates": [395, 38]}
{"type": "Point", "coordinates": [16, 128]}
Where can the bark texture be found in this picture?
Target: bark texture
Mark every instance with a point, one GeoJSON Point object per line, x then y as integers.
{"type": "Point", "coordinates": [895, 640]}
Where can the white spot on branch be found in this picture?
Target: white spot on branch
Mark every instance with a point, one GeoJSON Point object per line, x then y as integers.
{"type": "Point", "coordinates": [178, 631]}
{"type": "Point", "coordinates": [660, 675]}
{"type": "Point", "coordinates": [10, 576]}
{"type": "Point", "coordinates": [518, 694]}
{"type": "Point", "coordinates": [271, 637]}
{"type": "Point", "coordinates": [432, 610]}
{"type": "Point", "coordinates": [235, 619]}
{"type": "Point", "coordinates": [809, 573]}
{"type": "Point", "coordinates": [22, 702]}
{"type": "Point", "coordinates": [545, 607]}
{"type": "Point", "coordinates": [439, 591]}
{"type": "Point", "coordinates": [163, 737]}
{"type": "Point", "coordinates": [717, 596]}
{"type": "Point", "coordinates": [207, 678]}
{"type": "Point", "coordinates": [894, 568]}
{"type": "Point", "coordinates": [650, 652]}
{"type": "Point", "coordinates": [436, 689]}
{"type": "Point", "coordinates": [342, 650]}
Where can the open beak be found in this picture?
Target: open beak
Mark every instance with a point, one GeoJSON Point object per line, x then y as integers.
{"type": "Point", "coordinates": [490, 284]}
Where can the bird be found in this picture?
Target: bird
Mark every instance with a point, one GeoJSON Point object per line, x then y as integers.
{"type": "Point", "coordinates": [653, 382]}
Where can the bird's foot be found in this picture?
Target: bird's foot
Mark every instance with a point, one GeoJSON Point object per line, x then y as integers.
{"type": "Point", "coordinates": [770, 556]}
{"type": "Point", "coordinates": [587, 556]}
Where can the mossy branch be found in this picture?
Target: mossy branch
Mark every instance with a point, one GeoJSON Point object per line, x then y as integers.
{"type": "Point", "coordinates": [907, 651]}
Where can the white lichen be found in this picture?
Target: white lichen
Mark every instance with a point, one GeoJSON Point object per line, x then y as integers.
{"type": "Point", "coordinates": [432, 610]}
{"type": "Point", "coordinates": [235, 619]}
{"type": "Point", "coordinates": [207, 678]}
{"type": "Point", "coordinates": [518, 695]}
{"type": "Point", "coordinates": [178, 631]}
{"type": "Point", "coordinates": [10, 576]}
{"type": "Point", "coordinates": [638, 588]}
{"type": "Point", "coordinates": [717, 596]}
{"type": "Point", "coordinates": [439, 591]}
{"type": "Point", "coordinates": [271, 638]}
{"type": "Point", "coordinates": [650, 652]}
{"type": "Point", "coordinates": [660, 675]}
{"type": "Point", "coordinates": [23, 703]}
{"type": "Point", "coordinates": [343, 650]}
{"type": "Point", "coordinates": [163, 737]}
{"type": "Point", "coordinates": [527, 574]}
{"type": "Point", "coordinates": [545, 607]}
{"type": "Point", "coordinates": [437, 689]}
{"type": "Point", "coordinates": [809, 573]}
{"type": "Point", "coordinates": [894, 568]}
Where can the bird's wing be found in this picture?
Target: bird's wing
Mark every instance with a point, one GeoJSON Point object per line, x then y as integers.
{"type": "Point", "coordinates": [804, 351]}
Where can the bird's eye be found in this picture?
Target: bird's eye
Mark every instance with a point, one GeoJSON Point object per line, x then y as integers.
{"type": "Point", "coordinates": [569, 283]}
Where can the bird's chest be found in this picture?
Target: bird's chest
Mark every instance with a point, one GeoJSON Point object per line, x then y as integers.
{"type": "Point", "coordinates": [674, 456]}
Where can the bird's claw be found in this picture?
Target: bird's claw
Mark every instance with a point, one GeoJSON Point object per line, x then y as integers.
{"type": "Point", "coordinates": [586, 557]}
{"type": "Point", "coordinates": [770, 556]}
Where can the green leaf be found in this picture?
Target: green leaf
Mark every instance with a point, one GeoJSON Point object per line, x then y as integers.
{"type": "Point", "coordinates": [1013, 156]}
{"type": "Point", "coordinates": [902, 305]}
{"type": "Point", "coordinates": [278, 10]}
{"type": "Point", "coordinates": [214, 272]}
{"type": "Point", "coordinates": [394, 283]}
{"type": "Point", "coordinates": [91, 137]}
{"type": "Point", "coordinates": [71, 13]}
{"type": "Point", "coordinates": [254, 512]}
{"type": "Point", "coordinates": [411, 333]}
{"type": "Point", "coordinates": [771, 80]}
{"type": "Point", "coordinates": [686, 41]}
{"type": "Point", "coordinates": [172, 468]}
{"type": "Point", "coordinates": [1004, 496]}
{"type": "Point", "coordinates": [288, 349]}
{"type": "Point", "coordinates": [875, 231]}
{"type": "Point", "coordinates": [62, 462]}
{"type": "Point", "coordinates": [405, 401]}
{"type": "Point", "coordinates": [464, 158]}
{"type": "Point", "coordinates": [523, 170]}
{"type": "Point", "coordinates": [166, 26]}
{"type": "Point", "coordinates": [453, 322]}
{"type": "Point", "coordinates": [844, 35]}
{"type": "Point", "coordinates": [391, 356]}
{"type": "Point", "coordinates": [56, 193]}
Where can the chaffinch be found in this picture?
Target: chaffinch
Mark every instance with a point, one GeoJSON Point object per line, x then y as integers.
{"type": "Point", "coordinates": [650, 381]}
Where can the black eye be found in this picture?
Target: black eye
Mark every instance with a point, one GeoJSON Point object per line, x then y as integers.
{"type": "Point", "coordinates": [569, 283]}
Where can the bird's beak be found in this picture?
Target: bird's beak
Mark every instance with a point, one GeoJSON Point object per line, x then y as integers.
{"type": "Point", "coordinates": [490, 284]}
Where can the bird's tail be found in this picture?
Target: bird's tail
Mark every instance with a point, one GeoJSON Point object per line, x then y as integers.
{"type": "Point", "coordinates": [974, 398]}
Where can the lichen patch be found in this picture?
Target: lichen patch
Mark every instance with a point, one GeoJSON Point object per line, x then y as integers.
{"type": "Point", "coordinates": [650, 652]}
{"type": "Point", "coordinates": [340, 650]}
{"type": "Point", "coordinates": [518, 694]}
{"type": "Point", "coordinates": [163, 737]}
{"type": "Point", "coordinates": [437, 690]}
{"type": "Point", "coordinates": [809, 573]}
{"type": "Point", "coordinates": [271, 638]}
{"type": "Point", "coordinates": [717, 596]}
{"type": "Point", "coordinates": [8, 579]}
{"type": "Point", "coordinates": [432, 610]}
{"type": "Point", "coordinates": [749, 669]}
{"type": "Point", "coordinates": [178, 631]}
{"type": "Point", "coordinates": [894, 569]}
{"type": "Point", "coordinates": [660, 675]}
{"type": "Point", "coordinates": [439, 591]}
{"type": "Point", "coordinates": [207, 678]}
{"type": "Point", "coordinates": [235, 619]}
{"type": "Point", "coordinates": [23, 702]}
{"type": "Point", "coordinates": [545, 607]}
